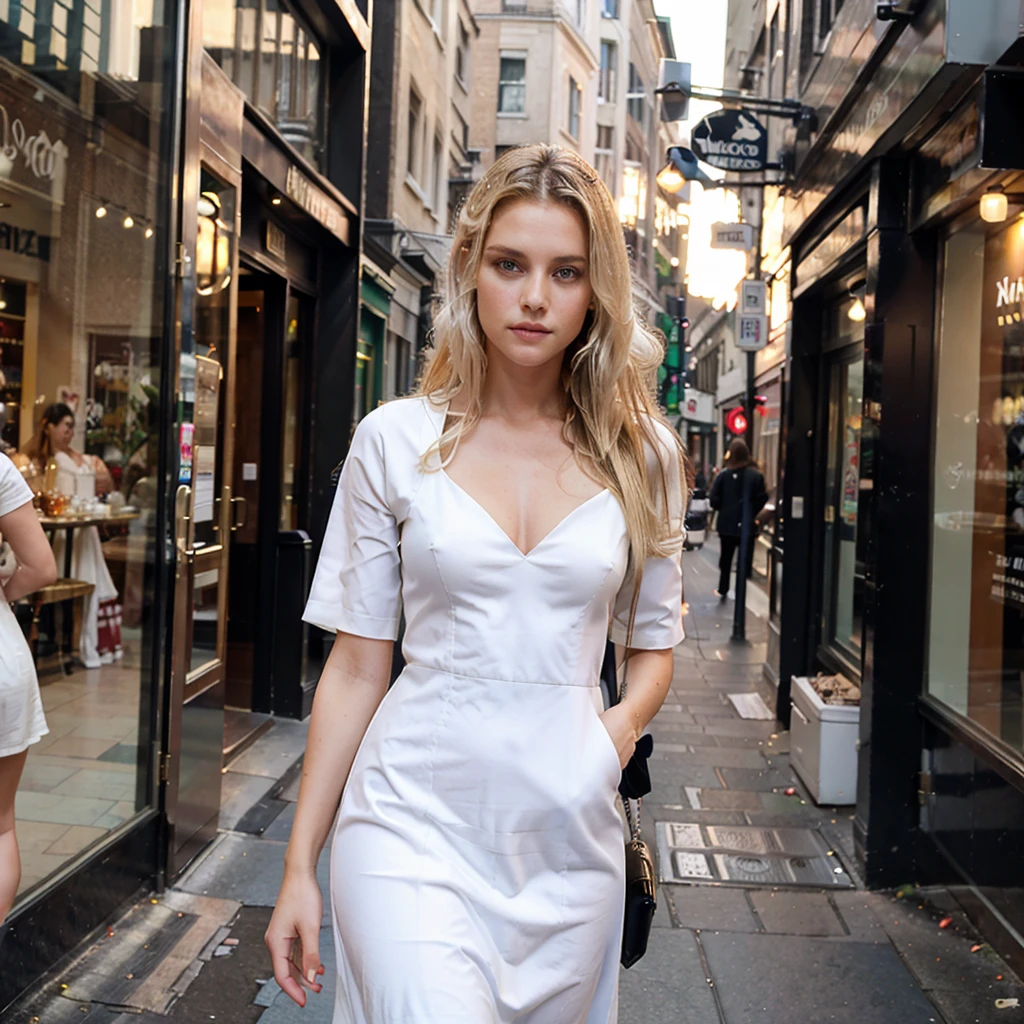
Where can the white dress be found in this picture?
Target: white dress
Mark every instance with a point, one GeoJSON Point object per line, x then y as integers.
{"type": "Point", "coordinates": [477, 864]}
{"type": "Point", "coordinates": [22, 722]}
{"type": "Point", "coordinates": [87, 560]}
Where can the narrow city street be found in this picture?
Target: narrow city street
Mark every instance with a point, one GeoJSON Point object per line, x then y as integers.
{"type": "Point", "coordinates": [818, 949]}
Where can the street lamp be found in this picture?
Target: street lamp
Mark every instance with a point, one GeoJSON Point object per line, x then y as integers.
{"type": "Point", "coordinates": [682, 167]}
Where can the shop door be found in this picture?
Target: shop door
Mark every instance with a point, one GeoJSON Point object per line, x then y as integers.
{"type": "Point", "coordinates": [843, 607]}
{"type": "Point", "coordinates": [205, 510]}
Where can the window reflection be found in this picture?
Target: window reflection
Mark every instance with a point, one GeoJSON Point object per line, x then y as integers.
{"type": "Point", "coordinates": [272, 57]}
{"type": "Point", "coordinates": [81, 333]}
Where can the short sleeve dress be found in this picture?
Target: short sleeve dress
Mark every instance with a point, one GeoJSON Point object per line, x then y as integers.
{"type": "Point", "coordinates": [477, 864]}
{"type": "Point", "coordinates": [22, 721]}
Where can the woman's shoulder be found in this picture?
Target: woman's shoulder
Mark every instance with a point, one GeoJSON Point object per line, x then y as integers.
{"type": "Point", "coordinates": [400, 417]}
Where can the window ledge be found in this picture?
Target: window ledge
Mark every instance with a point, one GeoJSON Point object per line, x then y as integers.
{"type": "Point", "coordinates": [414, 186]}
{"type": "Point", "coordinates": [513, 115]}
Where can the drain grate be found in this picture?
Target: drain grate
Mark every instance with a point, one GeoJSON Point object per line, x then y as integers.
{"type": "Point", "coordinates": [746, 855]}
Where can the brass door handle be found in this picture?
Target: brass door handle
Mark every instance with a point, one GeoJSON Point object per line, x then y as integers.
{"type": "Point", "coordinates": [235, 502]}
{"type": "Point", "coordinates": [182, 526]}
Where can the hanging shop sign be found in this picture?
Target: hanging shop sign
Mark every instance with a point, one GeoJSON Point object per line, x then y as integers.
{"type": "Point", "coordinates": [732, 140]}
{"type": "Point", "coordinates": [732, 236]}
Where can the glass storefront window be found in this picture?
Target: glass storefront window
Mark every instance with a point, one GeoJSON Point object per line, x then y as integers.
{"type": "Point", "coordinates": [842, 609]}
{"type": "Point", "coordinates": [274, 59]}
{"type": "Point", "coordinates": [83, 238]}
{"type": "Point", "coordinates": [976, 639]}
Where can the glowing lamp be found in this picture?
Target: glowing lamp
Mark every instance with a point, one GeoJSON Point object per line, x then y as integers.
{"type": "Point", "coordinates": [670, 179]}
{"type": "Point", "coordinates": [857, 313]}
{"type": "Point", "coordinates": [994, 207]}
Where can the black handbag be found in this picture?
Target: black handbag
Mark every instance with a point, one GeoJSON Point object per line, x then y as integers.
{"type": "Point", "coordinates": [641, 890]}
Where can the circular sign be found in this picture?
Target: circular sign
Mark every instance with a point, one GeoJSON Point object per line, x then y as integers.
{"type": "Point", "coordinates": [732, 140]}
{"type": "Point", "coordinates": [736, 420]}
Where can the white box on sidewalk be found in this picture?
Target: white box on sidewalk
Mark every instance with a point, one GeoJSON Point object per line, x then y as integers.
{"type": "Point", "coordinates": [823, 744]}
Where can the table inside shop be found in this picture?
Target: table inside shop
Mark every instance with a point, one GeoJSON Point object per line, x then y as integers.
{"type": "Point", "coordinates": [70, 523]}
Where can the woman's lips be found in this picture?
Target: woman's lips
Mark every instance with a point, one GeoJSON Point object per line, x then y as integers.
{"type": "Point", "coordinates": [529, 333]}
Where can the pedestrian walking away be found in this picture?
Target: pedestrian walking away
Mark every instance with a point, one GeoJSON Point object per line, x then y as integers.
{"type": "Point", "coordinates": [524, 506]}
{"type": "Point", "coordinates": [739, 480]}
{"type": "Point", "coordinates": [26, 564]}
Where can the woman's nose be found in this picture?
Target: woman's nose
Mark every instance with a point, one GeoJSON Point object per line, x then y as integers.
{"type": "Point", "coordinates": [534, 295]}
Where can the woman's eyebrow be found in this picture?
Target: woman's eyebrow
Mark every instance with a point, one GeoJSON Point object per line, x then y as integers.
{"type": "Point", "coordinates": [504, 250]}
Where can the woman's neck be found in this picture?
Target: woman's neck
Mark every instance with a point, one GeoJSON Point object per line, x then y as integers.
{"type": "Point", "coordinates": [516, 393]}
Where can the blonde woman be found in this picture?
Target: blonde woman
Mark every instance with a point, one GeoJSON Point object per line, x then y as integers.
{"type": "Point", "coordinates": [477, 862]}
{"type": "Point", "coordinates": [27, 565]}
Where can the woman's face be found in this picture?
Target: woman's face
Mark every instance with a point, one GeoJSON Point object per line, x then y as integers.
{"type": "Point", "coordinates": [61, 433]}
{"type": "Point", "coordinates": [533, 285]}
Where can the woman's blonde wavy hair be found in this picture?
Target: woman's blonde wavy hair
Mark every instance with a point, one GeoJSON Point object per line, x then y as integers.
{"type": "Point", "coordinates": [608, 371]}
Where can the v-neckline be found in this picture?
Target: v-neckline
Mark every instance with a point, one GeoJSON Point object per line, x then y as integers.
{"type": "Point", "coordinates": [504, 533]}
{"type": "Point", "coordinates": [442, 412]}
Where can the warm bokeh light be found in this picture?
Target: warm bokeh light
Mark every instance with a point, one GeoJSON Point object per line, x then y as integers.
{"type": "Point", "coordinates": [713, 274]}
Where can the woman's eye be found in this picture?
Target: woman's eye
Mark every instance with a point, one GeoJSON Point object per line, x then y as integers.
{"type": "Point", "coordinates": [507, 265]}
{"type": "Point", "coordinates": [567, 274]}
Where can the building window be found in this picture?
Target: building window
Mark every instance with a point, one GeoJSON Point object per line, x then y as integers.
{"type": "Point", "coordinates": [462, 55]}
{"type": "Point", "coordinates": [636, 98]}
{"type": "Point", "coordinates": [437, 182]}
{"type": "Point", "coordinates": [460, 130]}
{"type": "Point", "coordinates": [513, 6]}
{"type": "Point", "coordinates": [606, 77]}
{"type": "Point", "coordinates": [609, 8]}
{"type": "Point", "coordinates": [816, 20]}
{"type": "Point", "coordinates": [269, 53]}
{"type": "Point", "coordinates": [581, 12]}
{"type": "Point", "coordinates": [976, 626]}
{"type": "Point", "coordinates": [415, 114]}
{"type": "Point", "coordinates": [512, 86]}
{"type": "Point", "coordinates": [574, 108]}
{"type": "Point", "coordinates": [604, 154]}
{"type": "Point", "coordinates": [500, 151]}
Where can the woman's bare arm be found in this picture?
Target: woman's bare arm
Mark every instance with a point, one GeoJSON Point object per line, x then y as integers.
{"type": "Point", "coordinates": [647, 683]}
{"type": "Point", "coordinates": [36, 567]}
{"type": "Point", "coordinates": [352, 685]}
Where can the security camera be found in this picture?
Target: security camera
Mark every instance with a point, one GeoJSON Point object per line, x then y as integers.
{"type": "Point", "coordinates": [889, 10]}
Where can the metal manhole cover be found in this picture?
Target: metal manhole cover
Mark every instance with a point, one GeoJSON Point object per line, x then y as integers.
{"type": "Point", "coordinates": [746, 855]}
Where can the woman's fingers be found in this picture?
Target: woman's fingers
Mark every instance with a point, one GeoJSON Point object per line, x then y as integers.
{"type": "Point", "coordinates": [286, 974]}
{"type": "Point", "coordinates": [311, 966]}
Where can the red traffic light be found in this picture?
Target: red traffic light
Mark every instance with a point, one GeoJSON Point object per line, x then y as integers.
{"type": "Point", "coordinates": [736, 420]}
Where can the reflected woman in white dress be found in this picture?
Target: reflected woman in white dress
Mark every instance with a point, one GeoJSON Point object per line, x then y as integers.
{"type": "Point", "coordinates": [86, 477]}
{"type": "Point", "coordinates": [524, 506]}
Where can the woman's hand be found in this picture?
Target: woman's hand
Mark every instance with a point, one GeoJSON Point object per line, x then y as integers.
{"type": "Point", "coordinates": [296, 918]}
{"type": "Point", "coordinates": [622, 727]}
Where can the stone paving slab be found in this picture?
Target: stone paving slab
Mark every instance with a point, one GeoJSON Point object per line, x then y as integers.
{"type": "Point", "coordinates": [274, 752]}
{"type": "Point", "coordinates": [818, 980]}
{"type": "Point", "coordinates": [796, 913]}
{"type": "Point", "coordinates": [669, 985]}
{"type": "Point", "coordinates": [710, 908]}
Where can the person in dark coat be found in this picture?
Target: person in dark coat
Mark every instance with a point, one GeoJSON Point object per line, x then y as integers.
{"type": "Point", "coordinates": [739, 476]}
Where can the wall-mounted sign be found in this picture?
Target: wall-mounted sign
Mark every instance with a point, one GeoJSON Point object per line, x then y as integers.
{"type": "Point", "coordinates": [732, 236]}
{"type": "Point", "coordinates": [698, 406]}
{"type": "Point", "coordinates": [311, 199]}
{"type": "Point", "coordinates": [275, 241]}
{"type": "Point", "coordinates": [732, 140]}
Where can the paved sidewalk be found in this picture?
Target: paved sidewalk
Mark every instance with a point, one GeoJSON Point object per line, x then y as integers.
{"type": "Point", "coordinates": [718, 954]}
